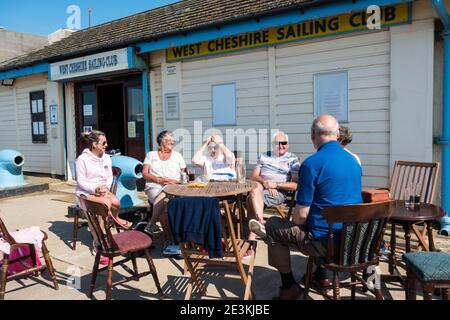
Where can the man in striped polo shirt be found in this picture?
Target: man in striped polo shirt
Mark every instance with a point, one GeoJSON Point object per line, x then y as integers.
{"type": "Point", "coordinates": [275, 175]}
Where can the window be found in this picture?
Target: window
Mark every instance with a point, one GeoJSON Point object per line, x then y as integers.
{"type": "Point", "coordinates": [38, 123]}
{"type": "Point", "coordinates": [224, 104]}
{"type": "Point", "coordinates": [331, 95]}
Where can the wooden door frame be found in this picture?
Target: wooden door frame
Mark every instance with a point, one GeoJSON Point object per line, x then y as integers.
{"type": "Point", "coordinates": [132, 80]}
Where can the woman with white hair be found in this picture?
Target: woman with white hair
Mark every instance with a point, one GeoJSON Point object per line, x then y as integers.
{"type": "Point", "coordinates": [161, 168]}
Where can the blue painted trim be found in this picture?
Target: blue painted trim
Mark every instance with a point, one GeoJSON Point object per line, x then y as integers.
{"type": "Point", "coordinates": [264, 23]}
{"type": "Point", "coordinates": [134, 61]}
{"type": "Point", "coordinates": [63, 98]}
{"type": "Point", "coordinates": [16, 73]}
{"type": "Point", "coordinates": [130, 57]}
{"type": "Point", "coordinates": [145, 94]}
{"type": "Point", "coordinates": [445, 139]}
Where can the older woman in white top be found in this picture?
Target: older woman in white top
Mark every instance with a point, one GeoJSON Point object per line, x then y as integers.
{"type": "Point", "coordinates": [161, 168]}
{"type": "Point", "coordinates": [218, 162]}
{"type": "Point", "coordinates": [345, 138]}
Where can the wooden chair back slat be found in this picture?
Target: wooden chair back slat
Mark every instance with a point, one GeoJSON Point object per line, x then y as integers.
{"type": "Point", "coordinates": [116, 174]}
{"type": "Point", "coordinates": [362, 231]}
{"type": "Point", "coordinates": [97, 214]}
{"type": "Point", "coordinates": [5, 233]}
{"type": "Point", "coordinates": [423, 173]}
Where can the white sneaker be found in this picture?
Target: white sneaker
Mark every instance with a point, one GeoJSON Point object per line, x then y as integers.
{"type": "Point", "coordinates": [258, 228]}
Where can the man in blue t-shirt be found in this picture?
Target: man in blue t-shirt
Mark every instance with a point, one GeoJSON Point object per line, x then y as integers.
{"type": "Point", "coordinates": [330, 177]}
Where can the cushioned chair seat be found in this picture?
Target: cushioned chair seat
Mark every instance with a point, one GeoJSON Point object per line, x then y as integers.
{"type": "Point", "coordinates": [132, 241]}
{"type": "Point", "coordinates": [429, 266]}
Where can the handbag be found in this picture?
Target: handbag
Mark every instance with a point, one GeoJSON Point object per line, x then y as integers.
{"type": "Point", "coordinates": [375, 195]}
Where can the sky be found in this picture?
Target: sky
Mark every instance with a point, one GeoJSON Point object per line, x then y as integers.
{"type": "Point", "coordinates": [46, 16]}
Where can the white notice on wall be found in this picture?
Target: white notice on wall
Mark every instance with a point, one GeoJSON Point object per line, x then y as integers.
{"type": "Point", "coordinates": [53, 114]}
{"type": "Point", "coordinates": [33, 106]}
{"type": "Point", "coordinates": [41, 128]}
{"type": "Point", "coordinates": [40, 105]}
{"type": "Point", "coordinates": [35, 128]}
{"type": "Point", "coordinates": [131, 129]}
{"type": "Point", "coordinates": [331, 95]}
{"type": "Point", "coordinates": [87, 110]}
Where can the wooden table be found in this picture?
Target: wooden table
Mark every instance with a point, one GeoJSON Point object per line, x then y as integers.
{"type": "Point", "coordinates": [221, 190]}
{"type": "Point", "coordinates": [212, 189]}
{"type": "Point", "coordinates": [406, 218]}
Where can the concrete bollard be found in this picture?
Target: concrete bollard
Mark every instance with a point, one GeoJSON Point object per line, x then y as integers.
{"type": "Point", "coordinates": [126, 186]}
{"type": "Point", "coordinates": [11, 163]}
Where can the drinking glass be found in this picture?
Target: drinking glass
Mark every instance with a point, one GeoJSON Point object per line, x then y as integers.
{"type": "Point", "coordinates": [412, 195]}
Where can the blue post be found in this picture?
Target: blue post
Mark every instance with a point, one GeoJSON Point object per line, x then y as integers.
{"type": "Point", "coordinates": [445, 139]}
{"type": "Point", "coordinates": [145, 89]}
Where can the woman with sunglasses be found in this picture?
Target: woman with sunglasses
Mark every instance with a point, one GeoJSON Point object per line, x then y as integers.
{"type": "Point", "coordinates": [218, 163]}
{"type": "Point", "coordinates": [94, 174]}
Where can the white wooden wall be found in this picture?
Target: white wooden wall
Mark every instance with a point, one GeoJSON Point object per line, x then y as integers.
{"type": "Point", "coordinates": [156, 102]}
{"type": "Point", "coordinates": [275, 90]}
{"type": "Point", "coordinates": [366, 58]}
{"type": "Point", "coordinates": [15, 123]}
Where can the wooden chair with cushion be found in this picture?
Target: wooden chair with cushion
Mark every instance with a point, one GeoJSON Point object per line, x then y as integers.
{"type": "Point", "coordinates": [127, 243]}
{"type": "Point", "coordinates": [424, 173]}
{"type": "Point", "coordinates": [431, 269]}
{"type": "Point", "coordinates": [28, 269]}
{"type": "Point", "coordinates": [76, 211]}
{"type": "Point", "coordinates": [358, 245]}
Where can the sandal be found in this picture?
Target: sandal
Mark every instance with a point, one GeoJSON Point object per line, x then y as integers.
{"type": "Point", "coordinates": [127, 226]}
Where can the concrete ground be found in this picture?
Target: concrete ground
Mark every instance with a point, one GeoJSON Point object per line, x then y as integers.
{"type": "Point", "coordinates": [48, 210]}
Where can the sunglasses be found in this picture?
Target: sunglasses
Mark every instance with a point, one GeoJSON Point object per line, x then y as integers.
{"type": "Point", "coordinates": [282, 143]}
{"type": "Point", "coordinates": [104, 143]}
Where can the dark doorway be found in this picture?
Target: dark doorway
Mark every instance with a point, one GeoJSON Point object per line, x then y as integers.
{"type": "Point", "coordinates": [116, 107]}
{"type": "Point", "coordinates": [111, 115]}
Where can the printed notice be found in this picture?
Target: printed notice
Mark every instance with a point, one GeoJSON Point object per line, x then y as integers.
{"type": "Point", "coordinates": [131, 129]}
{"type": "Point", "coordinates": [41, 128]}
{"type": "Point", "coordinates": [33, 106]}
{"type": "Point", "coordinates": [331, 95]}
{"type": "Point", "coordinates": [40, 106]}
{"type": "Point", "coordinates": [35, 128]}
{"type": "Point", "coordinates": [87, 110]}
{"type": "Point", "coordinates": [54, 114]}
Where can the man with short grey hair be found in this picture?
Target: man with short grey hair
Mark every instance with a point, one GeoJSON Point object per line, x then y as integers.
{"type": "Point", "coordinates": [273, 174]}
{"type": "Point", "coordinates": [330, 177]}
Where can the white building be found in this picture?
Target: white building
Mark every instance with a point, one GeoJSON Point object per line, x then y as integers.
{"type": "Point", "coordinates": [252, 64]}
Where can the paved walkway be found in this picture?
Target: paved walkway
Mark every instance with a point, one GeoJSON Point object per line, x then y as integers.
{"type": "Point", "coordinates": [49, 211]}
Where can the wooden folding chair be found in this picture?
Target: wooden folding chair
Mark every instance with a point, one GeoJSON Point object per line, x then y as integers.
{"type": "Point", "coordinates": [34, 268]}
{"type": "Point", "coordinates": [424, 173]}
{"type": "Point", "coordinates": [199, 264]}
